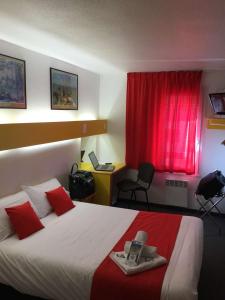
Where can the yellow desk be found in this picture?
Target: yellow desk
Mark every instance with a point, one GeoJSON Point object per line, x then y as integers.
{"type": "Point", "coordinates": [103, 182]}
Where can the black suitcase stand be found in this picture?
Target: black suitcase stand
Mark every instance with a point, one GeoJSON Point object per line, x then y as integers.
{"type": "Point", "coordinates": [210, 187]}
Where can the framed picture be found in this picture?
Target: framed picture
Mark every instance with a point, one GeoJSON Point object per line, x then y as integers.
{"type": "Point", "coordinates": [12, 82]}
{"type": "Point", "coordinates": [64, 90]}
{"type": "Point", "coordinates": [218, 103]}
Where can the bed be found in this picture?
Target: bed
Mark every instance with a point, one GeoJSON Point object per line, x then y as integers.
{"type": "Point", "coordinates": [59, 261]}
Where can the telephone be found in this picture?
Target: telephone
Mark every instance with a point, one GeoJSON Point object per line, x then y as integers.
{"type": "Point", "coordinates": [134, 254]}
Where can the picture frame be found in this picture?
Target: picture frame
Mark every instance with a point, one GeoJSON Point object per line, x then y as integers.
{"type": "Point", "coordinates": [64, 90]}
{"type": "Point", "coordinates": [12, 82]}
{"type": "Point", "coordinates": [218, 103]}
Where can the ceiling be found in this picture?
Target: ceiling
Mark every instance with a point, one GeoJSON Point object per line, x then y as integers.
{"type": "Point", "coordinates": [129, 35]}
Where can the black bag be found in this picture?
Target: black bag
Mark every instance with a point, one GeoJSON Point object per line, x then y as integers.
{"type": "Point", "coordinates": [211, 185]}
{"type": "Point", "coordinates": [81, 183]}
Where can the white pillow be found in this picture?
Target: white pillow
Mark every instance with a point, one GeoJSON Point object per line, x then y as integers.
{"type": "Point", "coordinates": [12, 200]}
{"type": "Point", "coordinates": [38, 196]}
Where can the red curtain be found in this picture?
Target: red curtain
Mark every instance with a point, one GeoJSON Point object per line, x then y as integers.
{"type": "Point", "coordinates": [163, 116]}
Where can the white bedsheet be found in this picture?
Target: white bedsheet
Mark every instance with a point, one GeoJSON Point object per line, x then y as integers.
{"type": "Point", "coordinates": [59, 261]}
{"type": "Point", "coordinates": [181, 278]}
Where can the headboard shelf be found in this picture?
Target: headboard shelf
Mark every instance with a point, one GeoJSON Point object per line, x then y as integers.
{"type": "Point", "coordinates": [19, 135]}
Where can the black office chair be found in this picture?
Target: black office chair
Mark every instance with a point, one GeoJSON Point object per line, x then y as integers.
{"type": "Point", "coordinates": [144, 179]}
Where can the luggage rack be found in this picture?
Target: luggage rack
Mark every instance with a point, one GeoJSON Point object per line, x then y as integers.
{"type": "Point", "coordinates": [209, 194]}
{"type": "Point", "coordinates": [206, 206]}
{"type": "Point", "coordinates": [204, 203]}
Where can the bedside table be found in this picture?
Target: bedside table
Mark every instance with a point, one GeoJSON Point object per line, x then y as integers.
{"type": "Point", "coordinates": [103, 182]}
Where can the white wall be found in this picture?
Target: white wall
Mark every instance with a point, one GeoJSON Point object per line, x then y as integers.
{"type": "Point", "coordinates": [32, 165]}
{"type": "Point", "coordinates": [213, 153]}
{"type": "Point", "coordinates": [38, 89]}
{"type": "Point", "coordinates": [112, 106]}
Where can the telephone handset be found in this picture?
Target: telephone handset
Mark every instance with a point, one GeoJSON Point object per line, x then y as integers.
{"type": "Point", "coordinates": [134, 254]}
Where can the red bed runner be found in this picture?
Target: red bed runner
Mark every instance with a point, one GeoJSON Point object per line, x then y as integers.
{"type": "Point", "coordinates": [110, 283]}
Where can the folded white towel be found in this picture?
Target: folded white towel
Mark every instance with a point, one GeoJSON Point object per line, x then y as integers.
{"type": "Point", "coordinates": [145, 263]}
{"type": "Point", "coordinates": [141, 236]}
{"type": "Point", "coordinates": [148, 251]}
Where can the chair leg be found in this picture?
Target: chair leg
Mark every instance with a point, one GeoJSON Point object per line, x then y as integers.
{"type": "Point", "coordinates": [134, 196]}
{"type": "Point", "coordinates": [146, 194]}
{"type": "Point", "coordinates": [118, 194]}
{"type": "Point", "coordinates": [131, 197]}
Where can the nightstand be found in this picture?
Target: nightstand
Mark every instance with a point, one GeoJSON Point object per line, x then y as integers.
{"type": "Point", "coordinates": [103, 182]}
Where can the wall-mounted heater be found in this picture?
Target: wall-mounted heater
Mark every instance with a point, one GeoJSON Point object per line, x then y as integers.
{"type": "Point", "coordinates": [176, 192]}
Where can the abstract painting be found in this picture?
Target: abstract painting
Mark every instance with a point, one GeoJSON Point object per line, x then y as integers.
{"type": "Point", "coordinates": [12, 82]}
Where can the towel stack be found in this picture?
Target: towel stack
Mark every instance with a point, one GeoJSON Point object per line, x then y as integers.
{"type": "Point", "coordinates": [149, 258]}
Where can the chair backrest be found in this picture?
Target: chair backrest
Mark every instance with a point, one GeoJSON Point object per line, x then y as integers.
{"type": "Point", "coordinates": [145, 173]}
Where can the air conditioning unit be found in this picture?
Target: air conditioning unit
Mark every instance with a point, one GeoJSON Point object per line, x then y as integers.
{"type": "Point", "coordinates": [176, 192]}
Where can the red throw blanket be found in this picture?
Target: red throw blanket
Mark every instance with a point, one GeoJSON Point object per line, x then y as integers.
{"type": "Point", "coordinates": [110, 283]}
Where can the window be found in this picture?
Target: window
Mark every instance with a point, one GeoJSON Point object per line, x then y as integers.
{"type": "Point", "coordinates": [163, 120]}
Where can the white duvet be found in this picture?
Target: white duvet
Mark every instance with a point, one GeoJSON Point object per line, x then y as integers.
{"type": "Point", "coordinates": [59, 261]}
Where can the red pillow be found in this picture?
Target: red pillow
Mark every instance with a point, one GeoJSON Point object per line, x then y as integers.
{"type": "Point", "coordinates": [24, 220]}
{"type": "Point", "coordinates": [59, 200]}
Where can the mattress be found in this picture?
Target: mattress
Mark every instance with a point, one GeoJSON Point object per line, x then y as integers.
{"type": "Point", "coordinates": [59, 261]}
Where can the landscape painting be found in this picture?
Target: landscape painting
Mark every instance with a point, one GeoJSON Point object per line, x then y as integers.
{"type": "Point", "coordinates": [64, 90]}
{"type": "Point", "coordinates": [12, 82]}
